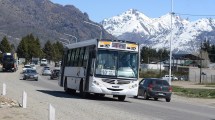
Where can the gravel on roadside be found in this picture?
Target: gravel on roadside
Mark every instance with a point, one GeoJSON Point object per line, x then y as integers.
{"type": "Point", "coordinates": [7, 102]}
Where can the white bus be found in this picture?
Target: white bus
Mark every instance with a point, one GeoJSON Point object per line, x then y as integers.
{"type": "Point", "coordinates": [102, 67]}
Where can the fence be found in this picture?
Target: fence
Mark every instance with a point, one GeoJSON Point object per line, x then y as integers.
{"type": "Point", "coordinates": [207, 75]}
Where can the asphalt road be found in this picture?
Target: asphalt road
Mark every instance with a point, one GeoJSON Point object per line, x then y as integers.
{"type": "Point", "coordinates": [43, 92]}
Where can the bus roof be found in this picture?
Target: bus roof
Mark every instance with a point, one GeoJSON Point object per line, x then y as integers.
{"type": "Point", "coordinates": [93, 42]}
{"type": "Point", "coordinates": [82, 44]}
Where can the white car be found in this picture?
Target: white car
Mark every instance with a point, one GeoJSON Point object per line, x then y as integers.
{"type": "Point", "coordinates": [33, 66]}
{"type": "Point", "coordinates": [43, 62]}
{"type": "Point", "coordinates": [26, 67]}
{"type": "Point", "coordinates": [46, 71]}
{"type": "Point", "coordinates": [166, 77]}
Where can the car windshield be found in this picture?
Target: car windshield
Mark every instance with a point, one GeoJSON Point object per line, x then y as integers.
{"type": "Point", "coordinates": [8, 59]}
{"type": "Point", "coordinates": [27, 66]}
{"type": "Point", "coordinates": [32, 65]}
{"type": "Point", "coordinates": [46, 68]}
{"type": "Point", "coordinates": [31, 71]}
{"type": "Point", "coordinates": [161, 82]}
{"type": "Point", "coordinates": [116, 64]}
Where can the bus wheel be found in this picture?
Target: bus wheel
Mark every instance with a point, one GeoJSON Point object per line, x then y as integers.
{"type": "Point", "coordinates": [99, 95]}
{"type": "Point", "coordinates": [72, 91]}
{"type": "Point", "coordinates": [66, 89]}
{"type": "Point", "coordinates": [121, 97]}
{"type": "Point", "coordinates": [81, 89]}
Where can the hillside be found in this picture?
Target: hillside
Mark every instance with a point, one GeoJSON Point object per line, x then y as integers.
{"type": "Point", "coordinates": [46, 20]}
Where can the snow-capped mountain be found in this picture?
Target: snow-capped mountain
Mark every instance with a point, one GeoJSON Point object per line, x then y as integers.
{"type": "Point", "coordinates": [156, 32]}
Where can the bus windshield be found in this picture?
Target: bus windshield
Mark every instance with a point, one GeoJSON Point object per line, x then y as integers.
{"type": "Point", "coordinates": [116, 64]}
{"type": "Point", "coordinates": [8, 58]}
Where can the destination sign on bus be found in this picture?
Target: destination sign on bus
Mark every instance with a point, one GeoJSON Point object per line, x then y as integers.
{"type": "Point", "coordinates": [118, 45]}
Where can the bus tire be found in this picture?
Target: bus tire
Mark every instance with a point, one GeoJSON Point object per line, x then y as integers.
{"type": "Point", "coordinates": [66, 89]}
{"type": "Point", "coordinates": [81, 90]}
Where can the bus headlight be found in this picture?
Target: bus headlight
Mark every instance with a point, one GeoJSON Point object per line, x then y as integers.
{"type": "Point", "coordinates": [133, 86]}
{"type": "Point", "coordinates": [95, 82]}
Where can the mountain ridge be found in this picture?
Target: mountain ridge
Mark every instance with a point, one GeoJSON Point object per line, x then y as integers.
{"type": "Point", "coordinates": [156, 32]}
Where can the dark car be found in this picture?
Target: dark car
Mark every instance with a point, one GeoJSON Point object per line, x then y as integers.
{"type": "Point", "coordinates": [55, 73]}
{"type": "Point", "coordinates": [30, 74]}
{"type": "Point", "coordinates": [154, 88]}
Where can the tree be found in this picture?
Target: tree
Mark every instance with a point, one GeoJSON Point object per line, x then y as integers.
{"type": "Point", "coordinates": [58, 50]}
{"type": "Point", "coordinates": [22, 49]}
{"type": "Point", "coordinates": [29, 47]}
{"type": "Point", "coordinates": [152, 55]}
{"type": "Point", "coordinates": [48, 51]}
{"type": "Point", "coordinates": [5, 45]}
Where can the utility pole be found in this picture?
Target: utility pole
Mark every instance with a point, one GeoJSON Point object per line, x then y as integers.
{"type": "Point", "coordinates": [170, 56]}
{"type": "Point", "coordinates": [200, 64]}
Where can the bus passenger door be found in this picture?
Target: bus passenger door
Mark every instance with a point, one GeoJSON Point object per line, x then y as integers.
{"type": "Point", "coordinates": [89, 69]}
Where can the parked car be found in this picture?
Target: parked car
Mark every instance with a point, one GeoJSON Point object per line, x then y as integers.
{"type": "Point", "coordinates": [30, 74]}
{"type": "Point", "coordinates": [55, 73]}
{"type": "Point", "coordinates": [26, 67]}
{"type": "Point", "coordinates": [46, 71]}
{"type": "Point", "coordinates": [166, 77]}
{"type": "Point", "coordinates": [154, 88]}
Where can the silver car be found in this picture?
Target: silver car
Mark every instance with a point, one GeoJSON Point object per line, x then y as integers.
{"type": "Point", "coordinates": [46, 71]}
{"type": "Point", "coordinates": [30, 74]}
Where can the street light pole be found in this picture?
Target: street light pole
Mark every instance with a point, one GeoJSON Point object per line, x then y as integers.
{"type": "Point", "coordinates": [97, 26]}
{"type": "Point", "coordinates": [64, 43]}
{"type": "Point", "coordinates": [66, 40]}
{"type": "Point", "coordinates": [76, 40]}
{"type": "Point", "coordinates": [170, 57]}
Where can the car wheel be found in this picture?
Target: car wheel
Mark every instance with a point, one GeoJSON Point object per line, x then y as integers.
{"type": "Point", "coordinates": [36, 79]}
{"type": "Point", "coordinates": [155, 99]}
{"type": "Point", "coordinates": [146, 97]}
{"type": "Point", "coordinates": [136, 96]}
{"type": "Point", "coordinates": [168, 99]}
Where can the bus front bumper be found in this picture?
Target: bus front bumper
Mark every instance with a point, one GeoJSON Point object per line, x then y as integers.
{"type": "Point", "coordinates": [126, 90]}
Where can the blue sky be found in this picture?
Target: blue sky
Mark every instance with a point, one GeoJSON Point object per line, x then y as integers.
{"type": "Point", "coordinates": [101, 9]}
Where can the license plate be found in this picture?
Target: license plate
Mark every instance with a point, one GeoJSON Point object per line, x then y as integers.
{"type": "Point", "coordinates": [31, 76]}
{"type": "Point", "coordinates": [160, 94]}
{"type": "Point", "coordinates": [115, 93]}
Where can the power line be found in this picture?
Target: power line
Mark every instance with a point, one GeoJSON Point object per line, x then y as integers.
{"type": "Point", "coordinates": [197, 15]}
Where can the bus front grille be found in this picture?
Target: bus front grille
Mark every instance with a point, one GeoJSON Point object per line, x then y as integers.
{"type": "Point", "coordinates": [111, 81]}
{"type": "Point", "coordinates": [114, 89]}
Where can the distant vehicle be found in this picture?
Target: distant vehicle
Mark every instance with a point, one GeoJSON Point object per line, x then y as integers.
{"type": "Point", "coordinates": [57, 64]}
{"type": "Point", "coordinates": [166, 77]}
{"type": "Point", "coordinates": [33, 66]}
{"type": "Point", "coordinates": [102, 67]}
{"type": "Point", "coordinates": [154, 88]}
{"type": "Point", "coordinates": [30, 74]}
{"type": "Point", "coordinates": [46, 71]}
{"type": "Point", "coordinates": [55, 73]}
{"type": "Point", "coordinates": [26, 67]}
{"type": "Point", "coordinates": [43, 62]}
{"type": "Point", "coordinates": [9, 62]}
{"type": "Point", "coordinates": [35, 61]}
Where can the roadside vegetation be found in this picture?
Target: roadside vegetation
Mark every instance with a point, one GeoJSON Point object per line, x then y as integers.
{"type": "Point", "coordinates": [30, 46]}
{"type": "Point", "coordinates": [193, 92]}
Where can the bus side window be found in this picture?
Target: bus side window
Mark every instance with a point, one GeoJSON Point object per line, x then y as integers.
{"type": "Point", "coordinates": [86, 55]}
